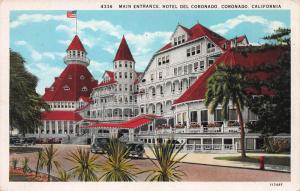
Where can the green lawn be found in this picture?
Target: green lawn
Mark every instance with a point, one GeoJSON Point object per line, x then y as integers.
{"type": "Point", "coordinates": [274, 160]}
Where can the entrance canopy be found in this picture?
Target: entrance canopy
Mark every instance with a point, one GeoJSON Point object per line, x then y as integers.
{"type": "Point", "coordinates": [131, 124]}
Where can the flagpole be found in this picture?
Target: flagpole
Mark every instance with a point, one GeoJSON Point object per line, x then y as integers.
{"type": "Point", "coordinates": [76, 22]}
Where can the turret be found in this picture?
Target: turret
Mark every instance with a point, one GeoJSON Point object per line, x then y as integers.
{"type": "Point", "coordinates": [76, 53]}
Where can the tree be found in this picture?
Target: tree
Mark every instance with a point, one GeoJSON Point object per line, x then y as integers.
{"type": "Point", "coordinates": [39, 163]}
{"type": "Point", "coordinates": [167, 165]}
{"type": "Point", "coordinates": [227, 85]}
{"type": "Point", "coordinates": [49, 159]}
{"type": "Point", "coordinates": [64, 176]}
{"type": "Point", "coordinates": [117, 166]}
{"type": "Point", "coordinates": [25, 104]}
{"type": "Point", "coordinates": [85, 166]}
{"type": "Point", "coordinates": [270, 120]}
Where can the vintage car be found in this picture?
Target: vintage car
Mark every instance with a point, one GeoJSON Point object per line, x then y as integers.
{"type": "Point", "coordinates": [136, 149]}
{"type": "Point", "coordinates": [99, 144]}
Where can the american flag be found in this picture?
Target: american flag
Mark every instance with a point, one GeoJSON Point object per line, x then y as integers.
{"type": "Point", "coordinates": [71, 14]}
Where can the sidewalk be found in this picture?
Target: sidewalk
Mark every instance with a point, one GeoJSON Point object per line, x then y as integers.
{"type": "Point", "coordinates": [208, 159]}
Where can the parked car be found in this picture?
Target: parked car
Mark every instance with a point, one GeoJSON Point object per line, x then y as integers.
{"type": "Point", "coordinates": [15, 140]}
{"type": "Point", "coordinates": [30, 140]}
{"type": "Point", "coordinates": [99, 145]}
{"type": "Point", "coordinates": [136, 149]}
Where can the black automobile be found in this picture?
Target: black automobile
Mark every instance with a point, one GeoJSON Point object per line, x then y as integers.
{"type": "Point", "coordinates": [14, 140]}
{"type": "Point", "coordinates": [136, 149]}
{"type": "Point", "coordinates": [99, 145]}
{"type": "Point", "coordinates": [30, 140]}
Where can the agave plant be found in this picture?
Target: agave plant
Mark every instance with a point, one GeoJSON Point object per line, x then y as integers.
{"type": "Point", "coordinates": [25, 165]}
{"type": "Point", "coordinates": [117, 166]}
{"type": "Point", "coordinates": [39, 163]}
{"type": "Point", "coordinates": [64, 176]}
{"type": "Point", "coordinates": [14, 163]}
{"type": "Point", "coordinates": [167, 164]}
{"type": "Point", "coordinates": [49, 159]}
{"type": "Point", "coordinates": [85, 166]}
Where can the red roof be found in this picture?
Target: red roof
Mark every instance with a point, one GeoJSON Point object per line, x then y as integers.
{"type": "Point", "coordinates": [198, 31]}
{"type": "Point", "coordinates": [131, 124]}
{"type": "Point", "coordinates": [86, 99]}
{"type": "Point", "coordinates": [61, 115]}
{"type": "Point", "coordinates": [231, 57]}
{"type": "Point", "coordinates": [76, 44]}
{"type": "Point", "coordinates": [123, 52]}
{"type": "Point", "coordinates": [109, 82]}
{"type": "Point", "coordinates": [75, 77]}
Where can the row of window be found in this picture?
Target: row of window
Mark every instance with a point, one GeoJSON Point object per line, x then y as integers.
{"type": "Point", "coordinates": [126, 64]}
{"type": "Point", "coordinates": [125, 75]}
{"type": "Point", "coordinates": [125, 87]}
{"type": "Point", "coordinates": [83, 89]}
{"type": "Point", "coordinates": [116, 99]}
{"type": "Point", "coordinates": [62, 105]}
{"type": "Point", "coordinates": [193, 50]}
{"type": "Point", "coordinates": [73, 53]}
{"type": "Point", "coordinates": [163, 60]}
{"type": "Point", "coordinates": [178, 40]}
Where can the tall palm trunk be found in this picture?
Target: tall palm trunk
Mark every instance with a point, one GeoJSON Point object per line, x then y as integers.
{"type": "Point", "coordinates": [241, 121]}
{"type": "Point", "coordinates": [48, 170]}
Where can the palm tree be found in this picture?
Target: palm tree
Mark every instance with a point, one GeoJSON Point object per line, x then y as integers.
{"type": "Point", "coordinates": [166, 167]}
{"type": "Point", "coordinates": [64, 176]}
{"type": "Point", "coordinates": [25, 165]}
{"type": "Point", "coordinates": [85, 166]}
{"type": "Point", "coordinates": [15, 163]}
{"type": "Point", "coordinates": [39, 163]}
{"type": "Point", "coordinates": [117, 166]}
{"type": "Point", "coordinates": [227, 85]}
{"type": "Point", "coordinates": [49, 159]}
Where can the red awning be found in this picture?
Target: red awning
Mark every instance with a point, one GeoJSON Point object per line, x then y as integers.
{"type": "Point", "coordinates": [131, 124]}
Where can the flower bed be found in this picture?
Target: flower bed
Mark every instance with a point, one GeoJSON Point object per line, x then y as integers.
{"type": "Point", "coordinates": [30, 176]}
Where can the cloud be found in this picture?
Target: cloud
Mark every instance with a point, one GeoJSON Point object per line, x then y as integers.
{"type": "Point", "coordinates": [230, 24]}
{"type": "Point", "coordinates": [35, 18]}
{"type": "Point", "coordinates": [38, 56]}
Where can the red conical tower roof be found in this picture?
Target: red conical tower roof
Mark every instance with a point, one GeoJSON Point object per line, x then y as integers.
{"type": "Point", "coordinates": [123, 52]}
{"type": "Point", "coordinates": [76, 44]}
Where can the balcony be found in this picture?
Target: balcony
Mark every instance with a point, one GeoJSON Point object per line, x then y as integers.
{"type": "Point", "coordinates": [76, 59]}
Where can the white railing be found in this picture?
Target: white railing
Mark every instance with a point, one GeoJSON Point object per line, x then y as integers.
{"type": "Point", "coordinates": [76, 58]}
{"type": "Point", "coordinates": [210, 147]}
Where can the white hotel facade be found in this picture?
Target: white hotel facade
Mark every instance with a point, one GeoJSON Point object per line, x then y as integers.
{"type": "Point", "coordinates": [154, 106]}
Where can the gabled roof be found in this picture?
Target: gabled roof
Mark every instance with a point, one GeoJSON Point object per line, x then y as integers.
{"type": "Point", "coordinates": [61, 115]}
{"type": "Point", "coordinates": [233, 57]}
{"type": "Point", "coordinates": [198, 31]}
{"type": "Point", "coordinates": [76, 44]}
{"type": "Point", "coordinates": [110, 81]}
{"type": "Point", "coordinates": [123, 52]}
{"type": "Point", "coordinates": [74, 77]}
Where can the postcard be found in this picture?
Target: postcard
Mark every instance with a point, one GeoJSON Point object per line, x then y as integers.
{"type": "Point", "coordinates": [195, 95]}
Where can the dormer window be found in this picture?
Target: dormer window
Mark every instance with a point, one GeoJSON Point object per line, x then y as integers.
{"type": "Point", "coordinates": [179, 40]}
{"type": "Point", "coordinates": [66, 88]}
{"type": "Point", "coordinates": [84, 89]}
{"type": "Point", "coordinates": [120, 65]}
{"type": "Point", "coordinates": [69, 76]}
{"type": "Point", "coordinates": [175, 41]}
{"type": "Point", "coordinates": [125, 64]}
{"type": "Point", "coordinates": [52, 88]}
{"type": "Point", "coordinates": [183, 38]}
{"type": "Point", "coordinates": [82, 77]}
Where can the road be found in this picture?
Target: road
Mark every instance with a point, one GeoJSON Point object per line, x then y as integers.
{"type": "Point", "coordinates": [194, 172]}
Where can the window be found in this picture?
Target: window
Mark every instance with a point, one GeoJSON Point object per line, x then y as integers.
{"type": "Point", "coordinates": [125, 64]}
{"type": "Point", "coordinates": [198, 49]}
{"type": "Point", "coordinates": [194, 116]}
{"type": "Point", "coordinates": [175, 41]}
{"type": "Point", "coordinates": [195, 66]}
{"type": "Point", "coordinates": [120, 74]}
{"type": "Point", "coordinates": [125, 87]}
{"type": "Point", "coordinates": [185, 70]}
{"type": "Point", "coordinates": [218, 116]}
{"type": "Point", "coordinates": [183, 38]}
{"type": "Point", "coordinates": [84, 89]}
{"type": "Point", "coordinates": [252, 116]}
{"type": "Point", "coordinates": [152, 77]}
{"type": "Point", "coordinates": [204, 117]}
{"type": "Point", "coordinates": [130, 75]}
{"type": "Point", "coordinates": [190, 68]}
{"type": "Point", "coordinates": [120, 87]}
{"type": "Point", "coordinates": [210, 62]}
{"type": "Point", "coordinates": [82, 77]}
{"type": "Point", "coordinates": [175, 71]}
{"type": "Point", "coordinates": [130, 87]}
{"type": "Point", "coordinates": [201, 65]}
{"type": "Point", "coordinates": [125, 75]}
{"type": "Point", "coordinates": [66, 88]}
{"type": "Point", "coordinates": [193, 50]}
{"type": "Point", "coordinates": [188, 52]}
{"type": "Point", "coordinates": [78, 53]}
{"type": "Point", "coordinates": [163, 60]}
{"type": "Point", "coordinates": [116, 65]}
{"type": "Point", "coordinates": [73, 52]}
{"type": "Point", "coordinates": [130, 64]}
{"type": "Point", "coordinates": [179, 70]}
{"type": "Point", "coordinates": [160, 75]}
{"type": "Point", "coordinates": [232, 115]}
{"type": "Point", "coordinates": [116, 76]}
{"type": "Point", "coordinates": [120, 65]}
{"type": "Point", "coordinates": [167, 59]}
{"type": "Point", "coordinates": [159, 61]}
{"type": "Point", "coordinates": [179, 40]}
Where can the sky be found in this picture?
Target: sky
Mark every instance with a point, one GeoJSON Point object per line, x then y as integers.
{"type": "Point", "coordinates": [42, 37]}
